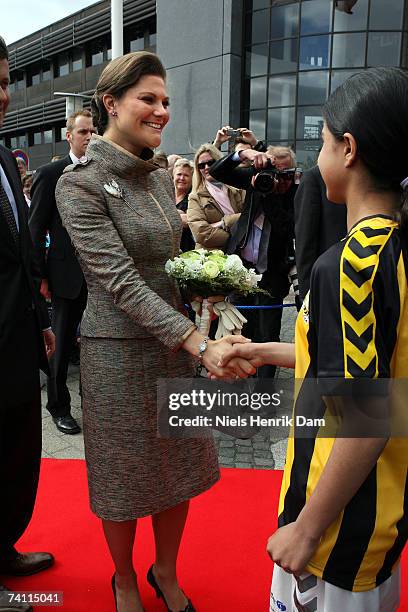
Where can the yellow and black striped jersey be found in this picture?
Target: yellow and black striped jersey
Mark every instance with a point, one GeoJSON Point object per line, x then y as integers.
{"type": "Point", "coordinates": [354, 324]}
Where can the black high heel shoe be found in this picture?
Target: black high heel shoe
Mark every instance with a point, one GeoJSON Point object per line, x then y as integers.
{"type": "Point", "coordinates": [159, 594]}
{"type": "Point", "coordinates": [114, 591]}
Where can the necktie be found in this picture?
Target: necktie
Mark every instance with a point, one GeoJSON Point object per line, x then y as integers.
{"type": "Point", "coordinates": [7, 211]}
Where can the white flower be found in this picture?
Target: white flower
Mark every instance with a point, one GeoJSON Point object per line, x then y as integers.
{"type": "Point", "coordinates": [233, 264]}
{"type": "Point", "coordinates": [113, 189]}
{"type": "Point", "coordinates": [211, 269]}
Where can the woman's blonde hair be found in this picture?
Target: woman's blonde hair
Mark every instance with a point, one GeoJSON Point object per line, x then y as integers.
{"type": "Point", "coordinates": [215, 153]}
{"type": "Point", "coordinates": [183, 162]}
{"type": "Point", "coordinates": [118, 76]}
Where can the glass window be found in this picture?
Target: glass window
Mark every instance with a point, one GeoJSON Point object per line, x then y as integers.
{"type": "Point", "coordinates": [386, 15]}
{"type": "Point", "coordinates": [348, 21]}
{"type": "Point", "coordinates": [339, 76]}
{"type": "Point", "coordinates": [20, 84]}
{"type": "Point", "coordinates": [316, 16]}
{"type": "Point", "coordinates": [258, 4]}
{"type": "Point", "coordinates": [257, 60]}
{"type": "Point", "coordinates": [12, 86]}
{"type": "Point", "coordinates": [285, 21]}
{"type": "Point", "coordinates": [348, 50]}
{"type": "Point", "coordinates": [96, 58]}
{"type": "Point", "coordinates": [22, 141]}
{"type": "Point", "coordinates": [109, 55]}
{"type": "Point", "coordinates": [257, 123]}
{"type": "Point", "coordinates": [77, 60]}
{"type": "Point", "coordinates": [153, 40]}
{"type": "Point", "coordinates": [309, 122]}
{"type": "Point", "coordinates": [307, 153]}
{"type": "Point", "coordinates": [405, 52]}
{"type": "Point", "coordinates": [283, 56]}
{"type": "Point", "coordinates": [137, 44]}
{"type": "Point", "coordinates": [47, 136]}
{"type": "Point", "coordinates": [13, 142]}
{"type": "Point", "coordinates": [46, 72]}
{"type": "Point", "coordinates": [37, 138]}
{"type": "Point", "coordinates": [314, 52]}
{"type": "Point", "coordinates": [63, 133]}
{"type": "Point", "coordinates": [260, 27]}
{"type": "Point", "coordinates": [281, 124]}
{"type": "Point", "coordinates": [282, 90]}
{"type": "Point", "coordinates": [35, 78]}
{"type": "Point", "coordinates": [257, 94]}
{"type": "Point", "coordinates": [384, 49]}
{"type": "Point", "coordinates": [63, 64]}
{"type": "Point", "coordinates": [313, 87]}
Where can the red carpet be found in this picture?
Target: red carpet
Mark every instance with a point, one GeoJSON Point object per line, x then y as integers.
{"type": "Point", "coordinates": [223, 565]}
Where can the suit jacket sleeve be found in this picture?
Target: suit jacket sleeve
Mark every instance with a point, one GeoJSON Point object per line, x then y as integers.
{"type": "Point", "coordinates": [307, 208]}
{"type": "Point", "coordinates": [41, 211]}
{"type": "Point", "coordinates": [226, 171]}
{"type": "Point", "coordinates": [84, 213]}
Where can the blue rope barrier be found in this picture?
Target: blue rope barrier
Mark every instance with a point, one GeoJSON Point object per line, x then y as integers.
{"type": "Point", "coordinates": [263, 307]}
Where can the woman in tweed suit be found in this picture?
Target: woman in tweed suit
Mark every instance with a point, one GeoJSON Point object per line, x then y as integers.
{"type": "Point", "coordinates": [119, 210]}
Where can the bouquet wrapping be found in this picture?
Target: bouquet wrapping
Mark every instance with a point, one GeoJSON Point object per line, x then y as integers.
{"type": "Point", "coordinates": [212, 273]}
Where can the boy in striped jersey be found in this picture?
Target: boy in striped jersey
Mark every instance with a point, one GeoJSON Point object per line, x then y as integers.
{"type": "Point", "coordinates": [343, 512]}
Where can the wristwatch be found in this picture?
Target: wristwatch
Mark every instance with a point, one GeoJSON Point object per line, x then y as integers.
{"type": "Point", "coordinates": [202, 348]}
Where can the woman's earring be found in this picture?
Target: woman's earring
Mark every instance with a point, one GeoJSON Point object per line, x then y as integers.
{"type": "Point", "coordinates": [114, 113]}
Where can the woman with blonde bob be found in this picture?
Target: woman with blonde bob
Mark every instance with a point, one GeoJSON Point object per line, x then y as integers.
{"type": "Point", "coordinates": [182, 179]}
{"type": "Point", "coordinates": [213, 208]}
{"type": "Point", "coordinates": [119, 210]}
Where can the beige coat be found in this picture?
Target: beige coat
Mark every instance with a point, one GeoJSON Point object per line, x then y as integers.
{"type": "Point", "coordinates": [203, 210]}
{"type": "Point", "coordinates": [123, 244]}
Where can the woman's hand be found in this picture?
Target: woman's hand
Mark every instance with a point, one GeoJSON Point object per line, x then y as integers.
{"type": "Point", "coordinates": [222, 136]}
{"type": "Point", "coordinates": [291, 548]}
{"type": "Point", "coordinates": [259, 354]}
{"type": "Point", "coordinates": [237, 368]}
{"type": "Point", "coordinates": [183, 217]}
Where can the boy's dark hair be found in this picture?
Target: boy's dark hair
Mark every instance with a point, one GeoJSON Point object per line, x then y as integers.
{"type": "Point", "coordinates": [372, 106]}
{"type": "Point", "coordinates": [3, 49]}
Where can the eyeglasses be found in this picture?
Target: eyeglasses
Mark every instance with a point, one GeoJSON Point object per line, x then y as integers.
{"type": "Point", "coordinates": [202, 165]}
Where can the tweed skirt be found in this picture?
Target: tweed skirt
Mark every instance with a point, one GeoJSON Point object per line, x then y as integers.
{"type": "Point", "coordinates": [131, 471]}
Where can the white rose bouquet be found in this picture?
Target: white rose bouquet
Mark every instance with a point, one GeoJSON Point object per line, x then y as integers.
{"type": "Point", "coordinates": [211, 273]}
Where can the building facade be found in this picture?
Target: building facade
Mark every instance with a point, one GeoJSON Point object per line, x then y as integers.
{"type": "Point", "coordinates": [266, 64]}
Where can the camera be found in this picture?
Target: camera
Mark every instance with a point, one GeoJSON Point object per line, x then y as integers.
{"type": "Point", "coordinates": [233, 133]}
{"type": "Point", "coordinates": [265, 181]}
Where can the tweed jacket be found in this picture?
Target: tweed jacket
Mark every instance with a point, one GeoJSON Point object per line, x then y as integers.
{"type": "Point", "coordinates": [123, 240]}
{"type": "Point", "coordinates": [203, 211]}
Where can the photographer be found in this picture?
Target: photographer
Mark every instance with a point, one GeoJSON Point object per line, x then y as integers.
{"type": "Point", "coordinates": [264, 234]}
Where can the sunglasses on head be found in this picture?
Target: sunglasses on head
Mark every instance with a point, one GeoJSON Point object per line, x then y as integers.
{"type": "Point", "coordinates": [209, 163]}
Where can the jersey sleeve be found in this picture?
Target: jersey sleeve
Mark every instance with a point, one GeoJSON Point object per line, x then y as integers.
{"type": "Point", "coordinates": [355, 306]}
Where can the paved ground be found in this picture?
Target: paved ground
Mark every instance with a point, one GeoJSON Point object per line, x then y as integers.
{"type": "Point", "coordinates": [261, 451]}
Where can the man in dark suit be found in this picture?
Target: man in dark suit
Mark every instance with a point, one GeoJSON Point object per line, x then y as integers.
{"type": "Point", "coordinates": [262, 237]}
{"type": "Point", "coordinates": [62, 278]}
{"type": "Point", "coordinates": [25, 341]}
{"type": "Point", "coordinates": [319, 224]}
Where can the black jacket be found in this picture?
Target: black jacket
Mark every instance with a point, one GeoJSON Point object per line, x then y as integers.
{"type": "Point", "coordinates": [60, 266]}
{"type": "Point", "coordinates": [19, 288]}
{"type": "Point", "coordinates": [319, 224]}
{"type": "Point", "coordinates": [276, 246]}
{"type": "Point", "coordinates": [187, 242]}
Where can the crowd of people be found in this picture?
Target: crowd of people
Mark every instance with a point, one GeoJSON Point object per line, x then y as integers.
{"type": "Point", "coordinates": [115, 211]}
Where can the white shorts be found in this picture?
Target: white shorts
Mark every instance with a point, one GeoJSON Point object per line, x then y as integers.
{"type": "Point", "coordinates": [311, 594]}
